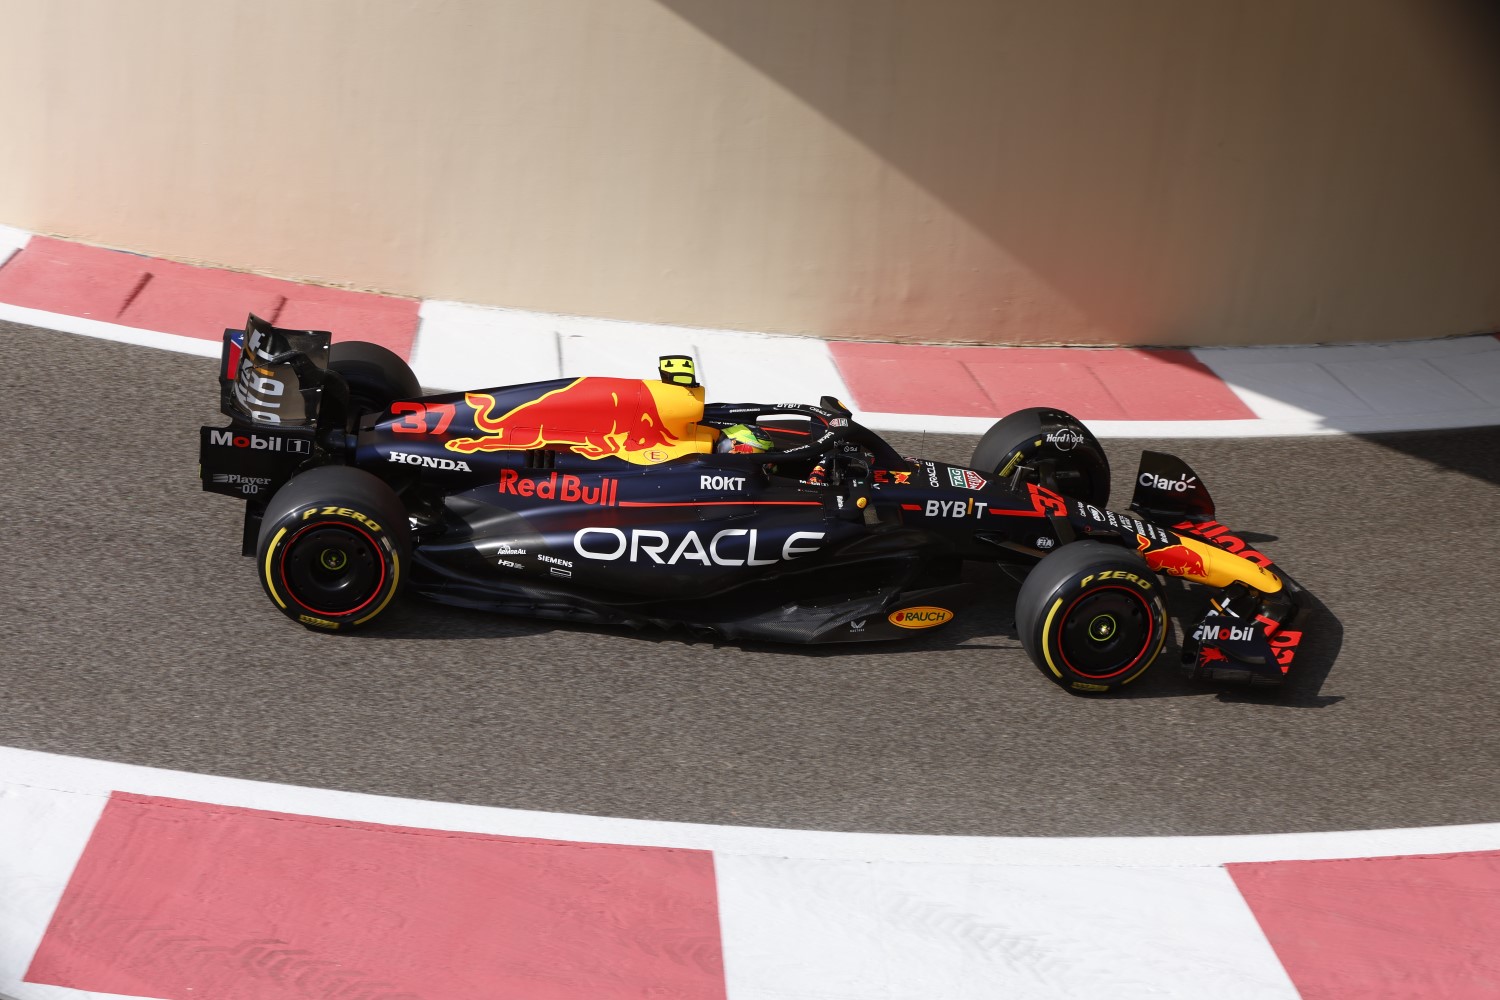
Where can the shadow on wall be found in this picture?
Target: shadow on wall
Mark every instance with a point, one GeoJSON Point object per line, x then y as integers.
{"type": "Point", "coordinates": [1178, 173]}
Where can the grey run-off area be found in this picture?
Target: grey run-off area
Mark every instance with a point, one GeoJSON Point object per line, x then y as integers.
{"type": "Point", "coordinates": [135, 632]}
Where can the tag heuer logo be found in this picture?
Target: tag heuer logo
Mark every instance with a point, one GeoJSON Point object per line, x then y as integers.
{"type": "Point", "coordinates": [966, 479]}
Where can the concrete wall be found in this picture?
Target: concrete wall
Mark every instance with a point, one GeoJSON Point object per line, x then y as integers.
{"type": "Point", "coordinates": [1158, 171]}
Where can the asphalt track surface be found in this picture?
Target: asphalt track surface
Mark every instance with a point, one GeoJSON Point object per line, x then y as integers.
{"type": "Point", "coordinates": [133, 631]}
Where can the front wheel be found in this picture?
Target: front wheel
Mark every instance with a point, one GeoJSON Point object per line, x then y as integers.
{"type": "Point", "coordinates": [1091, 617]}
{"type": "Point", "coordinates": [334, 548]}
{"type": "Point", "coordinates": [1048, 447]}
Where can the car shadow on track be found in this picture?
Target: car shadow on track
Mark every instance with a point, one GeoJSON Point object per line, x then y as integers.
{"type": "Point", "coordinates": [988, 626]}
{"type": "Point", "coordinates": [1473, 452]}
{"type": "Point", "coordinates": [413, 618]}
{"type": "Point", "coordinates": [1323, 637]}
{"type": "Point", "coordinates": [983, 626]}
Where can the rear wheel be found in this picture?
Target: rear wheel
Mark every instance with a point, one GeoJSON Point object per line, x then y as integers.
{"type": "Point", "coordinates": [1051, 448]}
{"type": "Point", "coordinates": [1091, 617]}
{"type": "Point", "coordinates": [334, 548]}
{"type": "Point", "coordinates": [376, 377]}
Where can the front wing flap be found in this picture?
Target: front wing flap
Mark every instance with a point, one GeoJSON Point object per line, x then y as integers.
{"type": "Point", "coordinates": [1247, 636]}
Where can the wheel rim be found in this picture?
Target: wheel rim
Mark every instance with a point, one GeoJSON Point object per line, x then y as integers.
{"type": "Point", "coordinates": [332, 569]}
{"type": "Point", "coordinates": [1105, 632]}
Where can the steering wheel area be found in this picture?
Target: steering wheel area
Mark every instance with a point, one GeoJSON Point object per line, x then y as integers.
{"type": "Point", "coordinates": [827, 434]}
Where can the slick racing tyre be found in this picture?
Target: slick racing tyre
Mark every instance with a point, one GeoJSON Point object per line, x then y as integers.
{"type": "Point", "coordinates": [375, 376]}
{"type": "Point", "coordinates": [1053, 448]}
{"type": "Point", "coordinates": [1091, 617]}
{"type": "Point", "coordinates": [335, 548]}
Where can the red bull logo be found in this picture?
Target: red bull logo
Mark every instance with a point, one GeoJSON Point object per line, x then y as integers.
{"type": "Point", "coordinates": [1217, 533]}
{"type": "Point", "coordinates": [568, 489]}
{"type": "Point", "coordinates": [592, 417]}
{"type": "Point", "coordinates": [1174, 560]}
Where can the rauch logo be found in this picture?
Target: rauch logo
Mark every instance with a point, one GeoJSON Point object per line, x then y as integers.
{"type": "Point", "coordinates": [920, 617]}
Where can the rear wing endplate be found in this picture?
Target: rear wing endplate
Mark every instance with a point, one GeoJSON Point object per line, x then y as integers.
{"type": "Point", "coordinates": [270, 377]}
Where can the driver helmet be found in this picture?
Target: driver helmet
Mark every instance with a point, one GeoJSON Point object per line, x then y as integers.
{"type": "Point", "coordinates": [742, 439]}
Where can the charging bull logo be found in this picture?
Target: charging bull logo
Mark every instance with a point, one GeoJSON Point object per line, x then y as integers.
{"type": "Point", "coordinates": [592, 417]}
{"type": "Point", "coordinates": [1213, 531]}
{"type": "Point", "coordinates": [1174, 560]}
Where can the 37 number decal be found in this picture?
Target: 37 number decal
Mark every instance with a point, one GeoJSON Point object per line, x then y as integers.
{"type": "Point", "coordinates": [415, 420]}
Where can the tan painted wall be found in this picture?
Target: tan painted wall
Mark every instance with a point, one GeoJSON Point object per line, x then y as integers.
{"type": "Point", "coordinates": [1153, 171]}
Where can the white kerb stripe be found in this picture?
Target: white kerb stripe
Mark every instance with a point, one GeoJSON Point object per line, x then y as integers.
{"type": "Point", "coordinates": [797, 929]}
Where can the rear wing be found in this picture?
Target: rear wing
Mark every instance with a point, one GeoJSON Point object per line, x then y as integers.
{"type": "Point", "coordinates": [271, 385]}
{"type": "Point", "coordinates": [273, 377]}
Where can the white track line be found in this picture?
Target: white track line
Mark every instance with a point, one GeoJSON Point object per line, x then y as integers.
{"type": "Point", "coordinates": [804, 915]}
{"type": "Point", "coordinates": [795, 923]}
{"type": "Point", "coordinates": [96, 779]}
{"type": "Point", "coordinates": [109, 331]}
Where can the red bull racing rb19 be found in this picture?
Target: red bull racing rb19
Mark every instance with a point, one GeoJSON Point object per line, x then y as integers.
{"type": "Point", "coordinates": [617, 501]}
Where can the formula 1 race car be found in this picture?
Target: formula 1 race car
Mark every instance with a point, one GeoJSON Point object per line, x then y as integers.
{"type": "Point", "coordinates": [613, 501]}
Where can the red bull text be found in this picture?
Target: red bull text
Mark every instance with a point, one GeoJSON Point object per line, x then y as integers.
{"type": "Point", "coordinates": [565, 488]}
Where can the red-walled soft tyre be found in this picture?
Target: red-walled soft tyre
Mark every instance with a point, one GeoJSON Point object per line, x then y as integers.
{"type": "Point", "coordinates": [335, 548]}
{"type": "Point", "coordinates": [1091, 617]}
